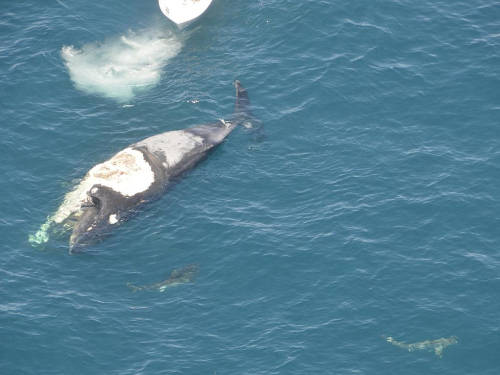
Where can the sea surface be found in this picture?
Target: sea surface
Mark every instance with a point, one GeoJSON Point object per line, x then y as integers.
{"type": "Point", "coordinates": [364, 204]}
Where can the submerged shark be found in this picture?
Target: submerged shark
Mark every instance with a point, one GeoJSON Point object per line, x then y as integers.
{"type": "Point", "coordinates": [437, 345]}
{"type": "Point", "coordinates": [177, 277]}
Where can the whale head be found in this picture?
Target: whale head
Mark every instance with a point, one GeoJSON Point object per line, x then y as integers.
{"type": "Point", "coordinates": [99, 214]}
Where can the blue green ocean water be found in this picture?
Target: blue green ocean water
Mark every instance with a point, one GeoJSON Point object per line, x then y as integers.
{"type": "Point", "coordinates": [364, 205]}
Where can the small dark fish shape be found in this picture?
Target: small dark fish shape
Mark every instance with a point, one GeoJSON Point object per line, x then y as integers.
{"type": "Point", "coordinates": [177, 277]}
{"type": "Point", "coordinates": [437, 346]}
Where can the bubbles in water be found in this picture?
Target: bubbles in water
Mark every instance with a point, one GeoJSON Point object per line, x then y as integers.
{"type": "Point", "coordinates": [121, 67]}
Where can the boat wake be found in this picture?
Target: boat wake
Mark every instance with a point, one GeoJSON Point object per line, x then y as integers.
{"type": "Point", "coordinates": [123, 66]}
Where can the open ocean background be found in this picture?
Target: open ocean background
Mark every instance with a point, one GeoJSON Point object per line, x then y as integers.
{"type": "Point", "coordinates": [366, 204]}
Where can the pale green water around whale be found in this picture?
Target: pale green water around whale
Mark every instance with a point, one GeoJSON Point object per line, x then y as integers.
{"type": "Point", "coordinates": [369, 204]}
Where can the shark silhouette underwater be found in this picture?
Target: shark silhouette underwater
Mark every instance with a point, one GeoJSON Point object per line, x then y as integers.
{"type": "Point", "coordinates": [437, 346]}
{"type": "Point", "coordinates": [177, 277]}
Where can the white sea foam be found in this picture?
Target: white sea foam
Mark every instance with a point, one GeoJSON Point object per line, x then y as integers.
{"type": "Point", "coordinates": [120, 67]}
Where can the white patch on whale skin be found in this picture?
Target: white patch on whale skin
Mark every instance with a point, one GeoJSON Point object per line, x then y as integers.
{"type": "Point", "coordinates": [247, 125]}
{"type": "Point", "coordinates": [113, 219]}
{"type": "Point", "coordinates": [127, 173]}
{"type": "Point", "coordinates": [174, 145]}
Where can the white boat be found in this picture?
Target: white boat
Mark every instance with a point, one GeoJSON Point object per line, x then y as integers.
{"type": "Point", "coordinates": [183, 12]}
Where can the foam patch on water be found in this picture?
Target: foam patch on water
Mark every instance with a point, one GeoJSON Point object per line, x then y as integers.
{"type": "Point", "coordinates": [121, 67]}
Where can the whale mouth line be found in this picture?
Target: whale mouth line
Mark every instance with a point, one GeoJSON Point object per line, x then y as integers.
{"type": "Point", "coordinates": [75, 246]}
{"type": "Point", "coordinates": [86, 228]}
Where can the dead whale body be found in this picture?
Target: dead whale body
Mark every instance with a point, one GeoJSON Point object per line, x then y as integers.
{"type": "Point", "coordinates": [139, 173]}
